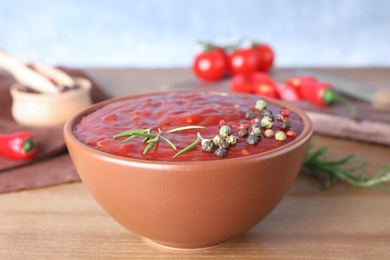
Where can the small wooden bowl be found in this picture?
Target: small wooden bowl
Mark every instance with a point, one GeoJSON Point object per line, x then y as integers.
{"type": "Point", "coordinates": [46, 110]}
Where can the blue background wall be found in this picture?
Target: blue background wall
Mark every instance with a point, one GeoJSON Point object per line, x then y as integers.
{"type": "Point", "coordinates": [163, 33]}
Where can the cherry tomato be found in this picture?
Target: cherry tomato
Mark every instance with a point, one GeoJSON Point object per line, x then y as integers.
{"type": "Point", "coordinates": [244, 61]}
{"type": "Point", "coordinates": [210, 65]}
{"type": "Point", "coordinates": [263, 85]}
{"type": "Point", "coordinates": [266, 57]}
{"type": "Point", "coordinates": [265, 89]}
{"type": "Point", "coordinates": [241, 83]}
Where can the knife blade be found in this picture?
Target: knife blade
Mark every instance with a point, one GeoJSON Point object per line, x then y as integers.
{"type": "Point", "coordinates": [379, 98]}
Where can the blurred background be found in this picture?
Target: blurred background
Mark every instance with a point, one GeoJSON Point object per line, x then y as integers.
{"type": "Point", "coordinates": [163, 33]}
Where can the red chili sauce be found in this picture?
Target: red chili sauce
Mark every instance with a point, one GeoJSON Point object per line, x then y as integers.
{"type": "Point", "coordinates": [178, 109]}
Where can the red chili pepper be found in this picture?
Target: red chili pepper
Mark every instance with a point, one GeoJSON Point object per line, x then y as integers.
{"type": "Point", "coordinates": [287, 93]}
{"type": "Point", "coordinates": [297, 83]}
{"type": "Point", "coordinates": [18, 146]}
{"type": "Point", "coordinates": [323, 94]}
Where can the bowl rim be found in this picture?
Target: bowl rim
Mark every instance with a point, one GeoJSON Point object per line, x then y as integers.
{"type": "Point", "coordinates": [74, 119]}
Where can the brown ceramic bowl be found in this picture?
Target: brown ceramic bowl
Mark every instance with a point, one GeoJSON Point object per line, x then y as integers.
{"type": "Point", "coordinates": [188, 205]}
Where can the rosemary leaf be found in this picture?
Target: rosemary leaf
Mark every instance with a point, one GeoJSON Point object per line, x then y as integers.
{"type": "Point", "coordinates": [185, 128]}
{"type": "Point", "coordinates": [144, 134]}
{"type": "Point", "coordinates": [350, 169]}
{"type": "Point", "coordinates": [169, 142]}
{"type": "Point", "coordinates": [129, 138]}
{"type": "Point", "coordinates": [151, 143]}
{"type": "Point", "coordinates": [130, 132]}
{"type": "Point", "coordinates": [191, 146]}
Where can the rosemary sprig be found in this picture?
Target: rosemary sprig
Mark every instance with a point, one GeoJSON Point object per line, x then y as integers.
{"type": "Point", "coordinates": [350, 169]}
{"type": "Point", "coordinates": [152, 139]}
{"type": "Point", "coordinates": [190, 147]}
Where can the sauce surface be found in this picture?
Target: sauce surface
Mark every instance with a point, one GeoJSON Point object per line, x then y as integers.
{"type": "Point", "coordinates": [178, 109]}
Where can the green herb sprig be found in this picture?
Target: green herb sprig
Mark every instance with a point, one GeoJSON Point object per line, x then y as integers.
{"type": "Point", "coordinates": [350, 169]}
{"type": "Point", "coordinates": [153, 138]}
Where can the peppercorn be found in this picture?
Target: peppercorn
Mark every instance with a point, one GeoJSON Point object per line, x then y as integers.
{"type": "Point", "coordinates": [256, 124]}
{"type": "Point", "coordinates": [231, 139]}
{"type": "Point", "coordinates": [256, 131]}
{"type": "Point", "coordinates": [250, 115]}
{"type": "Point", "coordinates": [224, 145]}
{"type": "Point", "coordinates": [285, 126]}
{"type": "Point", "coordinates": [290, 133]}
{"type": "Point", "coordinates": [220, 152]}
{"type": "Point", "coordinates": [207, 145]}
{"type": "Point", "coordinates": [252, 139]}
{"type": "Point", "coordinates": [269, 133]}
{"type": "Point", "coordinates": [266, 122]}
{"type": "Point", "coordinates": [217, 140]}
{"type": "Point", "coordinates": [224, 131]}
{"type": "Point", "coordinates": [285, 112]}
{"type": "Point", "coordinates": [271, 117]}
{"type": "Point", "coordinates": [242, 133]}
{"type": "Point", "coordinates": [280, 136]}
{"type": "Point", "coordinates": [260, 104]}
{"type": "Point", "coordinates": [266, 112]}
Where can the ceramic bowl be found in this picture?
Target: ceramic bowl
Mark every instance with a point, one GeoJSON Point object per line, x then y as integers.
{"type": "Point", "coordinates": [46, 110]}
{"type": "Point", "coordinates": [188, 205]}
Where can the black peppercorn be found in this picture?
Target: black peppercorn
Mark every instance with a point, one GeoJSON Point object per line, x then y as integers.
{"type": "Point", "coordinates": [252, 139]}
{"type": "Point", "coordinates": [266, 112]}
{"type": "Point", "coordinates": [250, 115]}
{"type": "Point", "coordinates": [220, 152]}
{"type": "Point", "coordinates": [224, 145]}
{"type": "Point", "coordinates": [207, 145]}
{"type": "Point", "coordinates": [256, 124]}
{"type": "Point", "coordinates": [285, 126]}
{"type": "Point", "coordinates": [243, 133]}
{"type": "Point", "coordinates": [279, 117]}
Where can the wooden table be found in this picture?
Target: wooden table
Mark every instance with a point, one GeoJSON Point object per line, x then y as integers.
{"type": "Point", "coordinates": [64, 222]}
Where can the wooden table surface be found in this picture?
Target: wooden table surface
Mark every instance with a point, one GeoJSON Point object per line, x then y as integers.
{"type": "Point", "coordinates": [64, 221]}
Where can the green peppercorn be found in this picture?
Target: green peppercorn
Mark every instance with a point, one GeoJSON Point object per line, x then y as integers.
{"type": "Point", "coordinates": [217, 140]}
{"type": "Point", "coordinates": [252, 139]}
{"type": "Point", "coordinates": [231, 139]}
{"type": "Point", "coordinates": [243, 133]}
{"type": "Point", "coordinates": [207, 145]}
{"type": "Point", "coordinates": [220, 152]}
{"type": "Point", "coordinates": [224, 131]}
{"type": "Point", "coordinates": [260, 104]}
{"type": "Point", "coordinates": [250, 115]}
{"type": "Point", "coordinates": [285, 126]}
{"type": "Point", "coordinates": [266, 122]}
{"type": "Point", "coordinates": [280, 136]}
{"type": "Point", "coordinates": [256, 131]}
